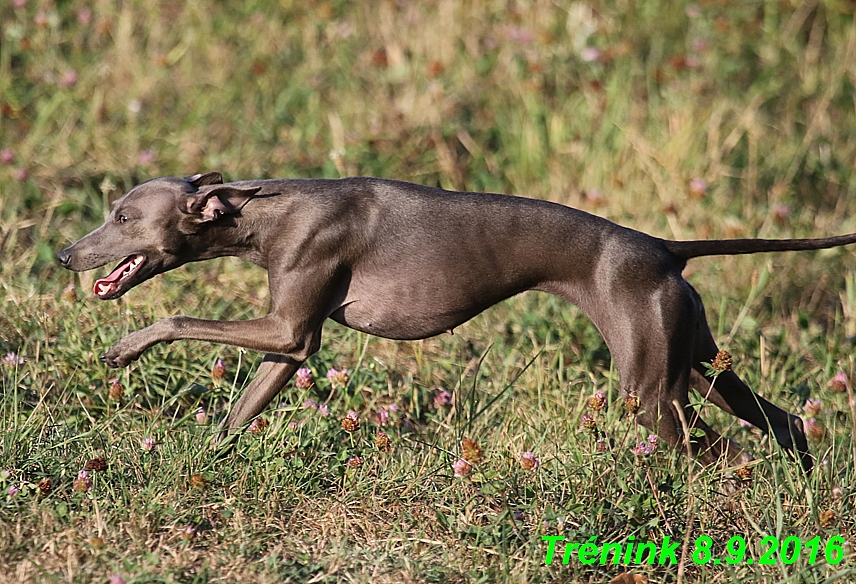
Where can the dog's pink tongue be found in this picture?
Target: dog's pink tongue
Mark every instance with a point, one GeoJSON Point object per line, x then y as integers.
{"type": "Point", "coordinates": [105, 285]}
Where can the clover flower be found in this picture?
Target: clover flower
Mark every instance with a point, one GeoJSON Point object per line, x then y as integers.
{"type": "Point", "coordinates": [12, 359]}
{"type": "Point", "coordinates": [259, 425]}
{"type": "Point", "coordinates": [338, 379]}
{"type": "Point", "coordinates": [814, 429]}
{"type": "Point", "coordinates": [812, 406]}
{"type": "Point", "coordinates": [528, 461]}
{"type": "Point", "coordinates": [589, 423]}
{"type": "Point", "coordinates": [303, 379]}
{"type": "Point", "coordinates": [442, 398]}
{"type": "Point", "coordinates": [839, 382]}
{"type": "Point", "coordinates": [382, 416]}
{"type": "Point", "coordinates": [82, 483]}
{"type": "Point", "coordinates": [462, 468]}
{"type": "Point", "coordinates": [219, 370]}
{"type": "Point", "coordinates": [647, 447]}
{"type": "Point", "coordinates": [351, 422]}
{"type": "Point", "coordinates": [70, 293]}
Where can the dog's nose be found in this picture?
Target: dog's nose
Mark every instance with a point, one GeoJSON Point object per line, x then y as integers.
{"type": "Point", "coordinates": [64, 257]}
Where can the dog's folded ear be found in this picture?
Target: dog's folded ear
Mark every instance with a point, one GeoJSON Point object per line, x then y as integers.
{"type": "Point", "coordinates": [209, 178]}
{"type": "Point", "coordinates": [209, 204]}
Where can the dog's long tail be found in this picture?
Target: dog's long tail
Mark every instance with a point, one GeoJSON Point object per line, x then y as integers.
{"type": "Point", "coordinates": [686, 250]}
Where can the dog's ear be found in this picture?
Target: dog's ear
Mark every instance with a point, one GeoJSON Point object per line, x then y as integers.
{"type": "Point", "coordinates": [212, 203]}
{"type": "Point", "coordinates": [209, 178]}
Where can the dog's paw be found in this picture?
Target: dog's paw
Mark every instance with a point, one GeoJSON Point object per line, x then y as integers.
{"type": "Point", "coordinates": [115, 359]}
{"type": "Point", "coordinates": [123, 353]}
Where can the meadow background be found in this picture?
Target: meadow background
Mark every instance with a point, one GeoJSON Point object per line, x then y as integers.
{"type": "Point", "coordinates": [686, 120]}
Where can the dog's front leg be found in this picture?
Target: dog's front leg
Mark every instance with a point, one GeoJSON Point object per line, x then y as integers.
{"type": "Point", "coordinates": [271, 334]}
{"type": "Point", "coordinates": [272, 375]}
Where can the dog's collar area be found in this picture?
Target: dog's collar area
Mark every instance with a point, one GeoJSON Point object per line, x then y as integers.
{"type": "Point", "coordinates": [107, 287]}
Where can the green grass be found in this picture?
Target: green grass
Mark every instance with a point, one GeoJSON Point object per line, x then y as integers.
{"type": "Point", "coordinates": [754, 98]}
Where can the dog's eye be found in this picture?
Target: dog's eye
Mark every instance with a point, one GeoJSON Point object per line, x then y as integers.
{"type": "Point", "coordinates": [121, 219]}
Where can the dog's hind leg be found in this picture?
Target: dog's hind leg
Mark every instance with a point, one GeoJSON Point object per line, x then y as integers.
{"type": "Point", "coordinates": [735, 397]}
{"type": "Point", "coordinates": [651, 340]}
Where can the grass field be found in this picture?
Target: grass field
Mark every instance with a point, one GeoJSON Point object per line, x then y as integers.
{"type": "Point", "coordinates": [714, 119]}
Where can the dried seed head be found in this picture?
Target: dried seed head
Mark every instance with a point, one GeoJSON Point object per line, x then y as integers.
{"type": "Point", "coordinates": [589, 423]}
{"type": "Point", "coordinates": [744, 473]}
{"type": "Point", "coordinates": [597, 401]}
{"type": "Point", "coordinates": [45, 486]}
{"type": "Point", "coordinates": [96, 464]}
{"type": "Point", "coordinates": [117, 392]}
{"type": "Point", "coordinates": [722, 362]}
{"type": "Point", "coordinates": [471, 451]}
{"type": "Point", "coordinates": [382, 441]}
{"type": "Point", "coordinates": [351, 422]}
{"type": "Point", "coordinates": [631, 403]}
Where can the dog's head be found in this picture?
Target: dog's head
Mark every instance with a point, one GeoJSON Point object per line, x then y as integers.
{"type": "Point", "coordinates": [155, 227]}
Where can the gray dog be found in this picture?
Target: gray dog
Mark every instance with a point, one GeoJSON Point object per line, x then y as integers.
{"type": "Point", "coordinates": [404, 261]}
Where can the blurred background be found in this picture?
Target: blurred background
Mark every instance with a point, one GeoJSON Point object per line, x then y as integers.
{"type": "Point", "coordinates": [707, 119]}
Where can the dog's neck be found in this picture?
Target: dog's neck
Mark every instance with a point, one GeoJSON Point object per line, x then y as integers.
{"type": "Point", "coordinates": [247, 234]}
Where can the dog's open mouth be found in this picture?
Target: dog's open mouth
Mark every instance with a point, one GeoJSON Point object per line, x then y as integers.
{"type": "Point", "coordinates": [109, 286]}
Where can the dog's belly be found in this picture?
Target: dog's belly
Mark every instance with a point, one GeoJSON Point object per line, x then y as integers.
{"type": "Point", "coordinates": [417, 312]}
{"type": "Point", "coordinates": [415, 324]}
